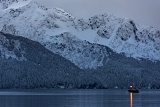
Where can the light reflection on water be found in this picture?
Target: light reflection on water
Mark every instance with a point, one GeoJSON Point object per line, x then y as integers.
{"type": "Point", "coordinates": [79, 98]}
{"type": "Point", "coordinates": [131, 99]}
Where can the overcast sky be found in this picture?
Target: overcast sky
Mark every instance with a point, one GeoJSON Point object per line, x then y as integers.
{"type": "Point", "coordinates": [146, 12]}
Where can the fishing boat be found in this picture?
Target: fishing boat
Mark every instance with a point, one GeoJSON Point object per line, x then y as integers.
{"type": "Point", "coordinates": [132, 90]}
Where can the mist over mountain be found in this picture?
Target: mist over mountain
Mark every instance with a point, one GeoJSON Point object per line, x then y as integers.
{"type": "Point", "coordinates": [55, 49]}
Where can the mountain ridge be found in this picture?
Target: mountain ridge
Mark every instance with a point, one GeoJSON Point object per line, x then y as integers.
{"type": "Point", "coordinates": [120, 34]}
{"type": "Point", "coordinates": [8, 4]}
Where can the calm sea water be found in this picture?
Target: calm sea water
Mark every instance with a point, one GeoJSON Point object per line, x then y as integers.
{"type": "Point", "coordinates": [79, 98]}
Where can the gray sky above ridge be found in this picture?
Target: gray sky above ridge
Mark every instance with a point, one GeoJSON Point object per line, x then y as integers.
{"type": "Point", "coordinates": [146, 12]}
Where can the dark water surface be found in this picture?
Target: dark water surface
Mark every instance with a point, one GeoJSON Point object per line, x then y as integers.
{"type": "Point", "coordinates": [79, 98]}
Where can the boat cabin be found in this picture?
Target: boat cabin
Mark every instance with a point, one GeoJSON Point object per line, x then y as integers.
{"type": "Point", "coordinates": [132, 90]}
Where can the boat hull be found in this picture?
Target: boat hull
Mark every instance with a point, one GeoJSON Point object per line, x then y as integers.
{"type": "Point", "coordinates": [133, 91]}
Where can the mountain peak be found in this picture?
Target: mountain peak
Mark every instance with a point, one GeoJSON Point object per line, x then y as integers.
{"type": "Point", "coordinates": [7, 4]}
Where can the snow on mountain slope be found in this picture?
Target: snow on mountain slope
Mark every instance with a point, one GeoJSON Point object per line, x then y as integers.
{"type": "Point", "coordinates": [122, 36]}
{"type": "Point", "coordinates": [11, 49]}
{"type": "Point", "coordinates": [44, 26]}
{"type": "Point", "coordinates": [27, 64]}
{"type": "Point", "coordinates": [81, 53]}
{"type": "Point", "coordinates": [34, 20]}
{"type": "Point", "coordinates": [55, 26]}
{"type": "Point", "coordinates": [14, 4]}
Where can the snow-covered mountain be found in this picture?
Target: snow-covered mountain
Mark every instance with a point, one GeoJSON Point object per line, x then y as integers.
{"type": "Point", "coordinates": [61, 33]}
{"type": "Point", "coordinates": [117, 51]}
{"type": "Point", "coordinates": [8, 4]}
{"type": "Point", "coordinates": [27, 64]}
